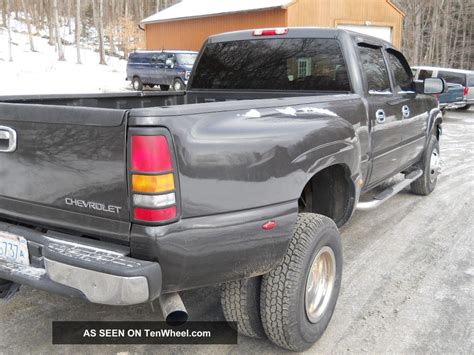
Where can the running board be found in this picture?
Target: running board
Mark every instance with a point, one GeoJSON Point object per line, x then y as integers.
{"type": "Point", "coordinates": [390, 192]}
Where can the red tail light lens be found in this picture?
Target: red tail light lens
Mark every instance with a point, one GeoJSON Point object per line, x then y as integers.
{"type": "Point", "coordinates": [153, 179]}
{"type": "Point", "coordinates": [271, 32]}
{"type": "Point", "coordinates": [466, 91]}
{"type": "Point", "coordinates": [151, 154]}
{"type": "Point", "coordinates": [149, 215]}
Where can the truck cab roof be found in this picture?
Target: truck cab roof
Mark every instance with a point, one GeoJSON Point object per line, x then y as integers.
{"type": "Point", "coordinates": [299, 32]}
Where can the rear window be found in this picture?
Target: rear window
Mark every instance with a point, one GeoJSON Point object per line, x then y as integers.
{"type": "Point", "coordinates": [273, 64]}
{"type": "Point", "coordinates": [142, 57]}
{"type": "Point", "coordinates": [186, 58]}
{"type": "Point", "coordinates": [450, 77]}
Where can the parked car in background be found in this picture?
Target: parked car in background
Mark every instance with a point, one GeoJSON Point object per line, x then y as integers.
{"type": "Point", "coordinates": [167, 68]}
{"type": "Point", "coordinates": [453, 98]}
{"type": "Point", "coordinates": [453, 76]}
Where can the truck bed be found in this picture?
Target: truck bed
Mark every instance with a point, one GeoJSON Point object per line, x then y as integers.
{"type": "Point", "coordinates": [130, 100]}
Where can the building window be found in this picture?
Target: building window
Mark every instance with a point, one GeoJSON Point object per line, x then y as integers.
{"type": "Point", "coordinates": [304, 67]}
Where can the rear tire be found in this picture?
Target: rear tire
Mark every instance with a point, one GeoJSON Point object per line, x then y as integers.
{"type": "Point", "coordinates": [137, 83]}
{"type": "Point", "coordinates": [298, 296]}
{"type": "Point", "coordinates": [164, 87]}
{"type": "Point", "coordinates": [178, 85]}
{"type": "Point", "coordinates": [241, 304]}
{"type": "Point", "coordinates": [430, 165]}
{"type": "Point", "coordinates": [464, 108]}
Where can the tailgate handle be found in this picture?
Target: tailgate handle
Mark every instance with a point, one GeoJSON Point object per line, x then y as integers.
{"type": "Point", "coordinates": [7, 139]}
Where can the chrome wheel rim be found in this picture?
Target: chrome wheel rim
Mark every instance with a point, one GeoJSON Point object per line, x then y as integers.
{"type": "Point", "coordinates": [320, 284]}
{"type": "Point", "coordinates": [177, 86]}
{"type": "Point", "coordinates": [135, 84]}
{"type": "Point", "coordinates": [434, 165]}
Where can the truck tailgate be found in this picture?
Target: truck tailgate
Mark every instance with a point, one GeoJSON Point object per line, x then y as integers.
{"type": "Point", "coordinates": [66, 170]}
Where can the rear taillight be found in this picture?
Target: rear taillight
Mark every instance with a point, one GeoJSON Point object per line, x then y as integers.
{"type": "Point", "coordinates": [466, 91]}
{"type": "Point", "coordinates": [153, 179]}
{"type": "Point", "coordinates": [271, 32]}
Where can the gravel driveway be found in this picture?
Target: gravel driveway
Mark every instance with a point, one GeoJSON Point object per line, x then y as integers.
{"type": "Point", "coordinates": [407, 285]}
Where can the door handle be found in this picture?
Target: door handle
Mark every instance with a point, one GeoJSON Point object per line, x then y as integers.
{"type": "Point", "coordinates": [405, 111]}
{"type": "Point", "coordinates": [380, 116]}
{"type": "Point", "coordinates": [7, 139]}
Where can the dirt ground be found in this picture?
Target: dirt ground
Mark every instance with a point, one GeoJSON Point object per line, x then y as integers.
{"type": "Point", "coordinates": [407, 284]}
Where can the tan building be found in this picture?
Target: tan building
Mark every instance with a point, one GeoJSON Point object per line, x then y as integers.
{"type": "Point", "coordinates": [187, 24]}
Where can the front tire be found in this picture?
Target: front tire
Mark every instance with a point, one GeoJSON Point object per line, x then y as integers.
{"type": "Point", "coordinates": [298, 296]}
{"type": "Point", "coordinates": [430, 165]}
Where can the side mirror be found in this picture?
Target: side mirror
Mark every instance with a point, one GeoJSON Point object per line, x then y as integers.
{"type": "Point", "coordinates": [434, 86]}
{"type": "Point", "coordinates": [169, 63]}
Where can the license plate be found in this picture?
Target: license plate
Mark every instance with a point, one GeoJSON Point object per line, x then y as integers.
{"type": "Point", "coordinates": [14, 248]}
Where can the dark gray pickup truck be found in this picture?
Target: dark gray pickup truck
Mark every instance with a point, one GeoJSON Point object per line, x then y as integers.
{"type": "Point", "coordinates": [242, 180]}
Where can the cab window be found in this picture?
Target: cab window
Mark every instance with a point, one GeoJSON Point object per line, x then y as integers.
{"type": "Point", "coordinates": [374, 68]}
{"type": "Point", "coordinates": [403, 80]}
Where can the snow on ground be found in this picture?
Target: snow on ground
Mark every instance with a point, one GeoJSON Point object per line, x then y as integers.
{"type": "Point", "coordinates": [40, 72]}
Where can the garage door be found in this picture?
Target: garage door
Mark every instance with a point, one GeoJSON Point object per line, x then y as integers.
{"type": "Point", "coordinates": [384, 33]}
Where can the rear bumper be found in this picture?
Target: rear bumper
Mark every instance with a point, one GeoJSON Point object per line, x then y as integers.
{"type": "Point", "coordinates": [91, 271]}
{"type": "Point", "coordinates": [452, 105]}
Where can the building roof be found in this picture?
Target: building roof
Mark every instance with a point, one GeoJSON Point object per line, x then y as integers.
{"type": "Point", "coordinates": [202, 8]}
{"type": "Point", "coordinates": [396, 8]}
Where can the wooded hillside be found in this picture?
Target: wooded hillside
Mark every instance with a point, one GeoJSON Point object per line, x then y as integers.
{"type": "Point", "coordinates": [439, 32]}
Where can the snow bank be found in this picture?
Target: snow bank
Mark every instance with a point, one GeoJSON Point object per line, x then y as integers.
{"type": "Point", "coordinates": [40, 72]}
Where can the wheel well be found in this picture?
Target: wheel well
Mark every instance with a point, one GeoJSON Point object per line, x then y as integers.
{"type": "Point", "coordinates": [329, 192]}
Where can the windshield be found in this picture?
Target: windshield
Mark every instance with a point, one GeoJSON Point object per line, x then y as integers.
{"type": "Point", "coordinates": [186, 58]}
{"type": "Point", "coordinates": [273, 64]}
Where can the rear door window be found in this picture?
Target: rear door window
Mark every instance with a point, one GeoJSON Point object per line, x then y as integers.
{"type": "Point", "coordinates": [374, 68]}
{"type": "Point", "coordinates": [452, 77]}
{"type": "Point", "coordinates": [306, 64]}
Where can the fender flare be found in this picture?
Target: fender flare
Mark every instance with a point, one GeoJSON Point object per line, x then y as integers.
{"type": "Point", "coordinates": [435, 120]}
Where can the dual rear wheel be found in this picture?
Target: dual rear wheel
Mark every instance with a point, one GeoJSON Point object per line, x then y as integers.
{"type": "Point", "coordinates": [292, 304]}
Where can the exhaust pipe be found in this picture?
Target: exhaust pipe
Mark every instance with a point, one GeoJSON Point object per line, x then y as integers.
{"type": "Point", "coordinates": [173, 308]}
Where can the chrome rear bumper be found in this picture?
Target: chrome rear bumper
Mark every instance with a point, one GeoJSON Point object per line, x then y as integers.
{"type": "Point", "coordinates": [83, 269]}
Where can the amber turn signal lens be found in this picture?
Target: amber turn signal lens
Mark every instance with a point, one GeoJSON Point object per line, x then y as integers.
{"type": "Point", "coordinates": [152, 183]}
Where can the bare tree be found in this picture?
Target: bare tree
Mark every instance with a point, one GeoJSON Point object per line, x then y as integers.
{"type": "Point", "coordinates": [28, 25]}
{"type": "Point", "coordinates": [57, 32]}
{"type": "Point", "coordinates": [101, 32]}
{"type": "Point", "coordinates": [438, 32]}
{"type": "Point", "coordinates": [10, 56]}
{"type": "Point", "coordinates": [78, 31]}
{"type": "Point", "coordinates": [4, 13]}
{"type": "Point", "coordinates": [50, 22]}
